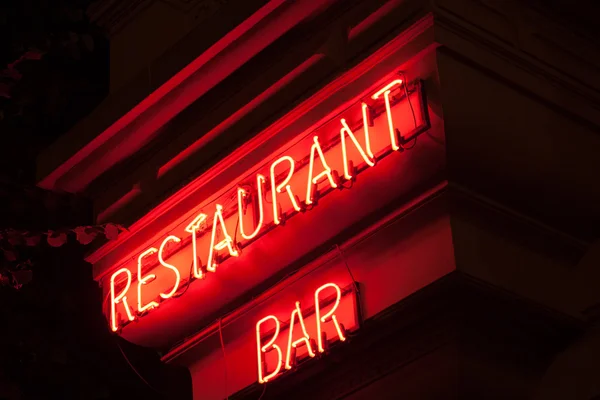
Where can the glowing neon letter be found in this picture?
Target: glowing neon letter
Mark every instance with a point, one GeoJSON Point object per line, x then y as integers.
{"type": "Point", "coordinates": [121, 298]}
{"type": "Point", "coordinates": [366, 115]}
{"type": "Point", "coordinates": [262, 349]}
{"type": "Point", "coordinates": [193, 228]}
{"type": "Point", "coordinates": [386, 95]}
{"type": "Point", "coordinates": [346, 130]}
{"type": "Point", "coordinates": [304, 339]}
{"type": "Point", "coordinates": [316, 147]}
{"type": "Point", "coordinates": [142, 280]}
{"type": "Point", "coordinates": [260, 180]}
{"type": "Point", "coordinates": [226, 242]}
{"type": "Point", "coordinates": [169, 266]}
{"type": "Point", "coordinates": [322, 318]}
{"type": "Point", "coordinates": [279, 188]}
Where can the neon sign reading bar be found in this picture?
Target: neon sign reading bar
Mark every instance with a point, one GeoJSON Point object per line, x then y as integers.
{"type": "Point", "coordinates": [285, 187]}
{"type": "Point", "coordinates": [278, 351]}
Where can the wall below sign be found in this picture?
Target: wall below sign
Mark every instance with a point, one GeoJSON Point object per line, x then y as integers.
{"type": "Point", "coordinates": [390, 263]}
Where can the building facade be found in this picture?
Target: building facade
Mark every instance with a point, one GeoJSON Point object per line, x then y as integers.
{"type": "Point", "coordinates": [348, 199]}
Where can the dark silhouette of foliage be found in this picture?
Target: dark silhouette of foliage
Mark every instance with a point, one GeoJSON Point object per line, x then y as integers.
{"type": "Point", "coordinates": [53, 71]}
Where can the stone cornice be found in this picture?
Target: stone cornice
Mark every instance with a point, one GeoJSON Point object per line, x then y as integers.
{"type": "Point", "coordinates": [526, 38]}
{"type": "Point", "coordinates": [108, 120]}
{"type": "Point", "coordinates": [113, 15]}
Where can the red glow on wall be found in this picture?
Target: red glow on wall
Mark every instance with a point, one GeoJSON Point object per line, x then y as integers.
{"type": "Point", "coordinates": [298, 178]}
{"type": "Point", "coordinates": [327, 321]}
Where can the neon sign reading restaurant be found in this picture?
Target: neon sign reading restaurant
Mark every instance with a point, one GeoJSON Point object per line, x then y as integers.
{"type": "Point", "coordinates": [292, 183]}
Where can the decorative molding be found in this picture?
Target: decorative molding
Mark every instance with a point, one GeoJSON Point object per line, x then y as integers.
{"type": "Point", "coordinates": [113, 15]}
{"type": "Point", "coordinates": [144, 225]}
{"type": "Point", "coordinates": [207, 9]}
{"type": "Point", "coordinates": [59, 172]}
{"type": "Point", "coordinates": [200, 8]}
{"type": "Point", "coordinates": [525, 37]}
{"type": "Point", "coordinates": [186, 5]}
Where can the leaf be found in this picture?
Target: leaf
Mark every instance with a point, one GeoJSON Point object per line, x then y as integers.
{"type": "Point", "coordinates": [14, 237]}
{"type": "Point", "coordinates": [4, 90]}
{"type": "Point", "coordinates": [23, 276]}
{"type": "Point", "coordinates": [88, 42]}
{"type": "Point", "coordinates": [11, 73]}
{"type": "Point", "coordinates": [32, 240]}
{"type": "Point", "coordinates": [10, 255]}
{"type": "Point", "coordinates": [25, 264]}
{"type": "Point", "coordinates": [57, 239]}
{"type": "Point", "coordinates": [32, 55]}
{"type": "Point", "coordinates": [85, 234]}
{"type": "Point", "coordinates": [111, 231]}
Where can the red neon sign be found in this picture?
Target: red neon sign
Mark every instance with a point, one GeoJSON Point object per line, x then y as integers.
{"type": "Point", "coordinates": [309, 331]}
{"type": "Point", "coordinates": [292, 183]}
